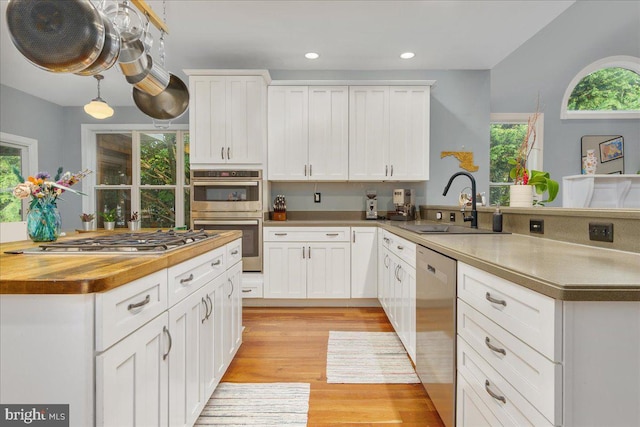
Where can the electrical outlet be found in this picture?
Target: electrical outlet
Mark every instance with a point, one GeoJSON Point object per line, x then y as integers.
{"type": "Point", "coordinates": [452, 217]}
{"type": "Point", "coordinates": [316, 197]}
{"type": "Point", "coordinates": [601, 232]}
{"type": "Point", "coordinates": [438, 215]}
{"type": "Point", "coordinates": [536, 226]}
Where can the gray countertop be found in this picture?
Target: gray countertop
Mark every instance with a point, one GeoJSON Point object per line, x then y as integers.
{"type": "Point", "coordinates": [565, 271]}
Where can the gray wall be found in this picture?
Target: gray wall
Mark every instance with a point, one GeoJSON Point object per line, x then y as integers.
{"type": "Point", "coordinates": [459, 121]}
{"type": "Point", "coordinates": [546, 64]}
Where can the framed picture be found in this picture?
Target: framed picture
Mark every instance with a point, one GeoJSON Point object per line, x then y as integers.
{"type": "Point", "coordinates": [609, 151]}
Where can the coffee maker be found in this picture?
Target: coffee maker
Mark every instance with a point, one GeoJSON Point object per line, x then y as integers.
{"type": "Point", "coordinates": [371, 205]}
{"type": "Point", "coordinates": [405, 204]}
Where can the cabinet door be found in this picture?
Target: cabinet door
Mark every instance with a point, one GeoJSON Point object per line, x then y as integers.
{"type": "Point", "coordinates": [409, 132]}
{"type": "Point", "coordinates": [368, 133]}
{"type": "Point", "coordinates": [407, 308]}
{"type": "Point", "coordinates": [219, 327]}
{"type": "Point", "coordinates": [132, 379]}
{"type": "Point", "coordinates": [288, 133]}
{"type": "Point", "coordinates": [364, 254]}
{"type": "Point", "coordinates": [208, 345]}
{"type": "Point", "coordinates": [186, 389]}
{"type": "Point", "coordinates": [329, 133]}
{"type": "Point", "coordinates": [207, 119]}
{"type": "Point", "coordinates": [328, 270]}
{"type": "Point", "coordinates": [234, 275]}
{"type": "Point", "coordinates": [285, 270]}
{"type": "Point", "coordinates": [246, 119]}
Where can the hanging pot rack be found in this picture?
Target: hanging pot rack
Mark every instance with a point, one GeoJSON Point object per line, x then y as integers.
{"type": "Point", "coordinates": [146, 10]}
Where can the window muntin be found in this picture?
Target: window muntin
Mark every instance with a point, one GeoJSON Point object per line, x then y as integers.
{"type": "Point", "coordinates": [606, 89]}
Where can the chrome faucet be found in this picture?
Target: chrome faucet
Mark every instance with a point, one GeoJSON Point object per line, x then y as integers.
{"type": "Point", "coordinates": [474, 213]}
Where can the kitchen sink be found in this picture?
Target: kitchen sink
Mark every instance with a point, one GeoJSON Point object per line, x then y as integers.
{"type": "Point", "coordinates": [445, 229]}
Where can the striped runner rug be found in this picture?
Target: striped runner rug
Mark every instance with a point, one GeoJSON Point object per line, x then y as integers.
{"type": "Point", "coordinates": [368, 358]}
{"type": "Point", "coordinates": [257, 404]}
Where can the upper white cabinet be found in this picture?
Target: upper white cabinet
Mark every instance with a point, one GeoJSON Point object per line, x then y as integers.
{"type": "Point", "coordinates": [389, 133]}
{"type": "Point", "coordinates": [308, 133]}
{"type": "Point", "coordinates": [227, 119]}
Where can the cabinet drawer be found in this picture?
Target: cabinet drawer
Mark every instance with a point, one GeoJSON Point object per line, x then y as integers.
{"type": "Point", "coordinates": [251, 291]}
{"type": "Point", "coordinates": [188, 276]}
{"type": "Point", "coordinates": [532, 317]}
{"type": "Point", "coordinates": [537, 378]}
{"type": "Point", "coordinates": [124, 309]}
{"type": "Point", "coordinates": [306, 234]}
{"type": "Point", "coordinates": [404, 249]}
{"type": "Point", "coordinates": [471, 411]}
{"type": "Point", "coordinates": [234, 252]}
{"type": "Point", "coordinates": [502, 399]}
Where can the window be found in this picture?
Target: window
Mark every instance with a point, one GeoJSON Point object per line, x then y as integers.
{"type": "Point", "coordinates": [507, 133]}
{"type": "Point", "coordinates": [144, 171]}
{"type": "Point", "coordinates": [22, 154]}
{"type": "Point", "coordinates": [607, 89]}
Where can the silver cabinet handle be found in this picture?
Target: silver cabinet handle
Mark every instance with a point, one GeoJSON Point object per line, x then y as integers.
{"type": "Point", "coordinates": [210, 306]}
{"type": "Point", "coordinates": [310, 170]}
{"type": "Point", "coordinates": [386, 239]}
{"type": "Point", "coordinates": [332, 234]}
{"type": "Point", "coordinates": [386, 258]}
{"type": "Point", "coordinates": [166, 331]}
{"type": "Point", "coordinates": [303, 255]}
{"type": "Point", "coordinates": [305, 170]}
{"type": "Point", "coordinates": [246, 291]}
{"type": "Point", "coordinates": [309, 252]}
{"type": "Point", "coordinates": [186, 279]}
{"type": "Point", "coordinates": [216, 262]}
{"type": "Point", "coordinates": [232, 287]}
{"type": "Point", "coordinates": [234, 252]}
{"type": "Point", "coordinates": [142, 303]}
{"type": "Point", "coordinates": [492, 347]}
{"type": "Point", "coordinates": [391, 170]}
{"type": "Point", "coordinates": [396, 273]}
{"type": "Point", "coordinates": [222, 153]}
{"type": "Point", "coordinates": [400, 248]}
{"type": "Point", "coordinates": [492, 394]}
{"type": "Point", "coordinates": [386, 170]}
{"type": "Point", "coordinates": [495, 301]}
{"type": "Point", "coordinates": [206, 310]}
{"type": "Point", "coordinates": [354, 236]}
{"type": "Point", "coordinates": [280, 234]}
{"type": "Point", "coordinates": [228, 153]}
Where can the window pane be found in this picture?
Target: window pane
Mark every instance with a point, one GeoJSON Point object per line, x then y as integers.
{"type": "Point", "coordinates": [114, 159]}
{"type": "Point", "coordinates": [187, 168]}
{"type": "Point", "coordinates": [158, 158]}
{"type": "Point", "coordinates": [499, 195]}
{"type": "Point", "coordinates": [10, 206]}
{"type": "Point", "coordinates": [157, 208]}
{"type": "Point", "coordinates": [606, 90]}
{"type": "Point", "coordinates": [505, 141]}
{"type": "Point", "coordinates": [107, 200]}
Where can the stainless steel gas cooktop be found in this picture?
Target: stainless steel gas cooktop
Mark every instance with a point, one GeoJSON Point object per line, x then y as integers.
{"type": "Point", "coordinates": [126, 243]}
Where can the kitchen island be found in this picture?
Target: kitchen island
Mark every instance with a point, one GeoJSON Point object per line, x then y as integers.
{"type": "Point", "coordinates": [122, 339]}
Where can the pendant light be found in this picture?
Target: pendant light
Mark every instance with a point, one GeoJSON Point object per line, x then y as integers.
{"type": "Point", "coordinates": [98, 108]}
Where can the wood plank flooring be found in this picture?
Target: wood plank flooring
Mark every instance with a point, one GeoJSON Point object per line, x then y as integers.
{"type": "Point", "coordinates": [290, 345]}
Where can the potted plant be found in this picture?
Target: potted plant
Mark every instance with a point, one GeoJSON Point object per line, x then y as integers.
{"type": "Point", "coordinates": [87, 221]}
{"type": "Point", "coordinates": [134, 222]}
{"type": "Point", "coordinates": [109, 217]}
{"type": "Point", "coordinates": [521, 193]}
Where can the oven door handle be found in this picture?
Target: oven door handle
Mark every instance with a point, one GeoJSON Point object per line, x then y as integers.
{"type": "Point", "coordinates": [225, 183]}
{"type": "Point", "coordinates": [226, 222]}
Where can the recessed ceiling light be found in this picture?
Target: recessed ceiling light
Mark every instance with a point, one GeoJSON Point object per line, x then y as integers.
{"type": "Point", "coordinates": [407, 55]}
{"type": "Point", "coordinates": [311, 55]}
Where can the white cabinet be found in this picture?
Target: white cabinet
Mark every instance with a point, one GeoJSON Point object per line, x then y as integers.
{"type": "Point", "coordinates": [307, 262]}
{"type": "Point", "coordinates": [364, 254]}
{"type": "Point", "coordinates": [308, 133]}
{"type": "Point", "coordinates": [132, 378]}
{"type": "Point", "coordinates": [389, 133]}
{"type": "Point", "coordinates": [227, 119]}
{"type": "Point", "coordinates": [397, 287]}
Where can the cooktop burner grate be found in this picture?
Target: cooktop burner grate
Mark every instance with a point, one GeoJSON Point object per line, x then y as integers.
{"type": "Point", "coordinates": [142, 242]}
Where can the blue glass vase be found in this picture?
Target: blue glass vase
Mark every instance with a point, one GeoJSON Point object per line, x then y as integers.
{"type": "Point", "coordinates": [43, 222]}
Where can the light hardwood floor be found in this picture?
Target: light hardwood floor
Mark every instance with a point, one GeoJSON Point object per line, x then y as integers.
{"type": "Point", "coordinates": [290, 345]}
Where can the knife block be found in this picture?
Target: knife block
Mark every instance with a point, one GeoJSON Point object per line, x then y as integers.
{"type": "Point", "coordinates": [279, 216]}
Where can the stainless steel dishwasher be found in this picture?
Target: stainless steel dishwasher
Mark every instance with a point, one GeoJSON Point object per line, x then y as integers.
{"type": "Point", "coordinates": [436, 329]}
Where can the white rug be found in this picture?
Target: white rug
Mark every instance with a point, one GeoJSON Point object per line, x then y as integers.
{"type": "Point", "coordinates": [368, 358]}
{"type": "Point", "coordinates": [257, 404]}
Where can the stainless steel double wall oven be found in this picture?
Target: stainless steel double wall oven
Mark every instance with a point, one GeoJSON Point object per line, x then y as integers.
{"type": "Point", "coordinates": [230, 200]}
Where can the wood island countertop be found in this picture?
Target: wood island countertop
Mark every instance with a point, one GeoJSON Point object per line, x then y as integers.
{"type": "Point", "coordinates": [64, 273]}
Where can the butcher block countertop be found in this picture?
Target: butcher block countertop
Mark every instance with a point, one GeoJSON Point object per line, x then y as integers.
{"type": "Point", "coordinates": [560, 270]}
{"type": "Point", "coordinates": [65, 273]}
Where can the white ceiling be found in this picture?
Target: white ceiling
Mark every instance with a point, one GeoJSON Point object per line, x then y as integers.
{"type": "Point", "coordinates": [348, 35]}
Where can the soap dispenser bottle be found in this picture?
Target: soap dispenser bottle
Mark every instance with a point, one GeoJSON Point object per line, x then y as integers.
{"type": "Point", "coordinates": [497, 220]}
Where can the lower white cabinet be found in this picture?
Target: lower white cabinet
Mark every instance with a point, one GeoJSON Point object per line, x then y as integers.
{"type": "Point", "coordinates": [309, 262]}
{"type": "Point", "coordinates": [364, 253]}
{"type": "Point", "coordinates": [132, 378]}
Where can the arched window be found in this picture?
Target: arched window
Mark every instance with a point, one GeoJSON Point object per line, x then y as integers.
{"type": "Point", "coordinates": [606, 89]}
